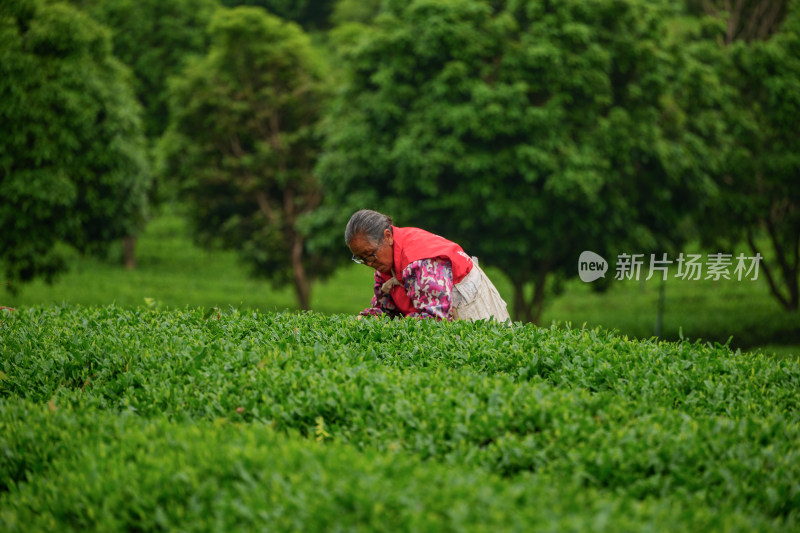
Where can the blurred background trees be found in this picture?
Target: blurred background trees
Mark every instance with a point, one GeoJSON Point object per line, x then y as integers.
{"type": "Point", "coordinates": [527, 134]}
{"type": "Point", "coordinates": [743, 20]}
{"type": "Point", "coordinates": [310, 14]}
{"type": "Point", "coordinates": [759, 185]}
{"type": "Point", "coordinates": [73, 165]}
{"type": "Point", "coordinates": [242, 143]}
{"type": "Point", "coordinates": [155, 39]}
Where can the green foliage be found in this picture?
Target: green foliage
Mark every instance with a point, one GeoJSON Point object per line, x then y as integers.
{"type": "Point", "coordinates": [525, 131]}
{"type": "Point", "coordinates": [105, 473]}
{"type": "Point", "coordinates": [744, 315]}
{"type": "Point", "coordinates": [173, 272]}
{"type": "Point", "coordinates": [758, 199]}
{"type": "Point", "coordinates": [744, 20]}
{"type": "Point", "coordinates": [155, 39]}
{"type": "Point", "coordinates": [311, 14]}
{"type": "Point", "coordinates": [589, 417]}
{"type": "Point", "coordinates": [242, 143]}
{"type": "Point", "coordinates": [72, 159]}
{"type": "Point", "coordinates": [763, 172]}
{"type": "Point", "coordinates": [361, 11]}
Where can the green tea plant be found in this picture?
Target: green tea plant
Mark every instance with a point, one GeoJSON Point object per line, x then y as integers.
{"type": "Point", "coordinates": [124, 472]}
{"type": "Point", "coordinates": [649, 424]}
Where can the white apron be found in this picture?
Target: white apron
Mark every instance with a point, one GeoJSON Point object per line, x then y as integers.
{"type": "Point", "coordinates": [476, 298]}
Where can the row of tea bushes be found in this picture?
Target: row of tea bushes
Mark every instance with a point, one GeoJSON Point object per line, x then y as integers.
{"type": "Point", "coordinates": [49, 349]}
{"type": "Point", "coordinates": [121, 472]}
{"type": "Point", "coordinates": [588, 409]}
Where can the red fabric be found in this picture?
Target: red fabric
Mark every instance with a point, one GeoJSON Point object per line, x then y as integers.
{"type": "Point", "coordinates": [413, 244]}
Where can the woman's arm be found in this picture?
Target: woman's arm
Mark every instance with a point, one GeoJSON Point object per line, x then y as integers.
{"type": "Point", "coordinates": [429, 284]}
{"type": "Point", "coordinates": [382, 304]}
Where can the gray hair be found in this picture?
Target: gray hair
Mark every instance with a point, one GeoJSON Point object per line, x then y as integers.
{"type": "Point", "coordinates": [368, 223]}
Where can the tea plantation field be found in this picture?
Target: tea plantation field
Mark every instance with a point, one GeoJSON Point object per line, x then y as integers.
{"type": "Point", "coordinates": [143, 419]}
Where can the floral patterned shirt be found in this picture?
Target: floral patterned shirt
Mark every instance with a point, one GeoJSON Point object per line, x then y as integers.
{"type": "Point", "coordinates": [429, 285]}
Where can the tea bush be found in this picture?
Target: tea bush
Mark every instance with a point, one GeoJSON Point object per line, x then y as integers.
{"type": "Point", "coordinates": [105, 412]}
{"type": "Point", "coordinates": [127, 473]}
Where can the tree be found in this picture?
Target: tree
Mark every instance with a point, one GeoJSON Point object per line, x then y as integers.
{"type": "Point", "coordinates": [745, 20]}
{"type": "Point", "coordinates": [526, 131]}
{"type": "Point", "coordinates": [73, 169]}
{"type": "Point", "coordinates": [242, 143]}
{"type": "Point", "coordinates": [155, 39]}
{"type": "Point", "coordinates": [360, 11]}
{"type": "Point", "coordinates": [759, 189]}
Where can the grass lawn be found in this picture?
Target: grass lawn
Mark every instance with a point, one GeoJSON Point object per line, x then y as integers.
{"type": "Point", "coordinates": [742, 311]}
{"type": "Point", "coordinates": [173, 272]}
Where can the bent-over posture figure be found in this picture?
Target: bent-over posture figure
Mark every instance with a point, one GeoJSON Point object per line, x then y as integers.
{"type": "Point", "coordinates": [420, 274]}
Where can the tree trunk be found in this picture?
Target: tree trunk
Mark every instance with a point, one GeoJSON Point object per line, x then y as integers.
{"type": "Point", "coordinates": [529, 311]}
{"type": "Point", "coordinates": [660, 307]}
{"type": "Point", "coordinates": [794, 288]}
{"type": "Point", "coordinates": [537, 305]}
{"type": "Point", "coordinates": [129, 251]}
{"type": "Point", "coordinates": [295, 240]}
{"type": "Point", "coordinates": [519, 306]}
{"type": "Point", "coordinates": [301, 284]}
{"type": "Point", "coordinates": [747, 20]}
{"type": "Point", "coordinates": [790, 301]}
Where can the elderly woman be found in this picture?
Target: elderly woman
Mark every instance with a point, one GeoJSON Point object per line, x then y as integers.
{"type": "Point", "coordinates": [419, 274]}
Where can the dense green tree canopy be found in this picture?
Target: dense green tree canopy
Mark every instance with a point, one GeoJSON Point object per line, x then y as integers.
{"type": "Point", "coordinates": [72, 160]}
{"type": "Point", "coordinates": [759, 187]}
{"type": "Point", "coordinates": [242, 143]}
{"type": "Point", "coordinates": [744, 20]}
{"type": "Point", "coordinates": [527, 131]}
{"type": "Point", "coordinates": [155, 39]}
{"type": "Point", "coordinates": [311, 14]}
{"type": "Point", "coordinates": [362, 11]}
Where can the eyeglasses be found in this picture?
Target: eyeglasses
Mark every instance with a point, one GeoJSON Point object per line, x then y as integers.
{"type": "Point", "coordinates": [370, 258]}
